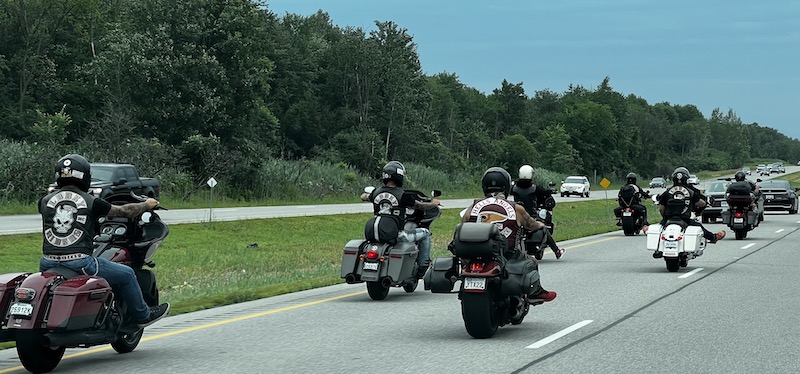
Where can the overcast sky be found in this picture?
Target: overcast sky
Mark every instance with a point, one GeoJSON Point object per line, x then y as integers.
{"type": "Point", "coordinates": [742, 55]}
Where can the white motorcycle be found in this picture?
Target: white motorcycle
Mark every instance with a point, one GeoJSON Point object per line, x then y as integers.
{"type": "Point", "coordinates": [677, 242]}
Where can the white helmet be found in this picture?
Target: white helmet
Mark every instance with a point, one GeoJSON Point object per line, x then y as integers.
{"type": "Point", "coordinates": [526, 172]}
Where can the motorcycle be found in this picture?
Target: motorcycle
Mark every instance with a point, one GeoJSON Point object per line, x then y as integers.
{"type": "Point", "coordinates": [740, 216]}
{"type": "Point", "coordinates": [495, 281]}
{"type": "Point", "coordinates": [631, 221]}
{"type": "Point", "coordinates": [49, 311]}
{"type": "Point", "coordinates": [536, 241]}
{"type": "Point", "coordinates": [677, 241]}
{"type": "Point", "coordinates": [383, 265]}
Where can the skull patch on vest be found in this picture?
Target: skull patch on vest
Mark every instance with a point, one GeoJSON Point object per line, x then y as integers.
{"type": "Point", "coordinates": [63, 232]}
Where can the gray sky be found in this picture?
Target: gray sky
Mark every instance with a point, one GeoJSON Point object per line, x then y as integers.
{"type": "Point", "coordinates": [742, 55]}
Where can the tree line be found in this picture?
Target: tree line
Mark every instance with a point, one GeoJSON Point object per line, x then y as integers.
{"type": "Point", "coordinates": [221, 88]}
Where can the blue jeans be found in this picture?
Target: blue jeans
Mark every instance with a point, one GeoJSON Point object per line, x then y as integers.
{"type": "Point", "coordinates": [422, 237]}
{"type": "Point", "coordinates": [119, 276]}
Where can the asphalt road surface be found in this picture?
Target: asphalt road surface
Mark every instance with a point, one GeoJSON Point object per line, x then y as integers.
{"type": "Point", "coordinates": [618, 310]}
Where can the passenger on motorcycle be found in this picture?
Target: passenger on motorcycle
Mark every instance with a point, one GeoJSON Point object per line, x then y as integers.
{"type": "Point", "coordinates": [509, 217]}
{"type": "Point", "coordinates": [679, 201]}
{"type": "Point", "coordinates": [631, 195]}
{"type": "Point", "coordinates": [391, 201]}
{"type": "Point", "coordinates": [533, 197]}
{"type": "Point", "coordinates": [69, 216]}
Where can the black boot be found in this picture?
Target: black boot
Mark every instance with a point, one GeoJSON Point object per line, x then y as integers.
{"type": "Point", "coordinates": [657, 254]}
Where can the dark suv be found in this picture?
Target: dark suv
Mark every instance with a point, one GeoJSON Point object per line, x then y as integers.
{"type": "Point", "coordinates": [715, 193]}
{"type": "Point", "coordinates": [779, 195]}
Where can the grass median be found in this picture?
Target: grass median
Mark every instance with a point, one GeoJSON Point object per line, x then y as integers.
{"type": "Point", "coordinates": [205, 265]}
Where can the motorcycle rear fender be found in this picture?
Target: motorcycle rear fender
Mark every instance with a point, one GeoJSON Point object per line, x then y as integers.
{"type": "Point", "coordinates": [78, 302]}
{"type": "Point", "coordinates": [369, 275]}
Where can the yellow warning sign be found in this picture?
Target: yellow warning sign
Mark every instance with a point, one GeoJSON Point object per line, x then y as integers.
{"type": "Point", "coordinates": [605, 183]}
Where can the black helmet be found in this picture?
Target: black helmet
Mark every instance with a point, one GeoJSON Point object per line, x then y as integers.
{"type": "Point", "coordinates": [496, 179]}
{"type": "Point", "coordinates": [680, 175]}
{"type": "Point", "coordinates": [394, 171]}
{"type": "Point", "coordinates": [631, 178]}
{"type": "Point", "coordinates": [74, 170]}
{"type": "Point", "coordinates": [739, 176]}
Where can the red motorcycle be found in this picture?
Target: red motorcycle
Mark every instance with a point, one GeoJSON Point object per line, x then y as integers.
{"type": "Point", "coordinates": [47, 312]}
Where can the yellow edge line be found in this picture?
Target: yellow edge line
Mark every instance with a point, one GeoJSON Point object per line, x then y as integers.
{"type": "Point", "coordinates": [201, 327]}
{"type": "Point", "coordinates": [591, 242]}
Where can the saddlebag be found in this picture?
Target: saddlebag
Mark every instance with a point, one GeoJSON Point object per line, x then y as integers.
{"type": "Point", "coordinates": [402, 260]}
{"type": "Point", "coordinates": [522, 274]}
{"type": "Point", "coordinates": [350, 258]}
{"type": "Point", "coordinates": [79, 303]}
{"type": "Point", "coordinates": [478, 240]}
{"type": "Point", "coordinates": [8, 283]}
{"type": "Point", "coordinates": [438, 277]}
{"type": "Point", "coordinates": [653, 236]}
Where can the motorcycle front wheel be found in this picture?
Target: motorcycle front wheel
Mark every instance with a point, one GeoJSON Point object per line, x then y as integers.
{"type": "Point", "coordinates": [480, 316]}
{"type": "Point", "coordinates": [36, 357]}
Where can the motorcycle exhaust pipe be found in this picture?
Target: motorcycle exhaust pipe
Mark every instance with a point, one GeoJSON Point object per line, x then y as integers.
{"type": "Point", "coordinates": [73, 339]}
{"type": "Point", "coordinates": [386, 282]}
{"type": "Point", "coordinates": [350, 278]}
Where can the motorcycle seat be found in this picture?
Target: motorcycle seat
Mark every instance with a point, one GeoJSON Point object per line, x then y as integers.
{"type": "Point", "coordinates": [64, 272]}
{"type": "Point", "coordinates": [676, 221]}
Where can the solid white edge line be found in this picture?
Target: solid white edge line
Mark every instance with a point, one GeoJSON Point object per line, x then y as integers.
{"type": "Point", "coordinates": [693, 272]}
{"type": "Point", "coordinates": [562, 333]}
{"type": "Point", "coordinates": [749, 245]}
{"type": "Point", "coordinates": [779, 230]}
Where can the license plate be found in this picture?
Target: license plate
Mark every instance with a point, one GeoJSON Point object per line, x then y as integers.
{"type": "Point", "coordinates": [474, 283]}
{"type": "Point", "coordinates": [19, 309]}
{"type": "Point", "coordinates": [738, 220]}
{"type": "Point", "coordinates": [671, 244]}
{"type": "Point", "coordinates": [371, 266]}
{"type": "Point", "coordinates": [627, 214]}
{"type": "Point", "coordinates": [769, 197]}
{"type": "Point", "coordinates": [724, 204]}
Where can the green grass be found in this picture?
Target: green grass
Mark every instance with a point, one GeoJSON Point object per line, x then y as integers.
{"type": "Point", "coordinates": [210, 264]}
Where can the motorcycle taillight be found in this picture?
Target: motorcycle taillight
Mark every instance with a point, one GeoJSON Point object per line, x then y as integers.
{"type": "Point", "coordinates": [372, 255]}
{"type": "Point", "coordinates": [739, 214]}
{"type": "Point", "coordinates": [24, 294]}
{"type": "Point", "coordinates": [476, 266]}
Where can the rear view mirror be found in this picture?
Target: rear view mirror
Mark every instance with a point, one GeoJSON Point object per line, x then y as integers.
{"type": "Point", "coordinates": [436, 193]}
{"type": "Point", "coordinates": [369, 189]}
{"type": "Point", "coordinates": [552, 184]}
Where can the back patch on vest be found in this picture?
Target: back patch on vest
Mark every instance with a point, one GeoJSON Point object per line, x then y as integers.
{"type": "Point", "coordinates": [66, 205]}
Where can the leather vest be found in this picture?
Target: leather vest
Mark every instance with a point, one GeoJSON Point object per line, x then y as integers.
{"type": "Point", "coordinates": [680, 203]}
{"type": "Point", "coordinates": [501, 212]}
{"type": "Point", "coordinates": [68, 225]}
{"type": "Point", "coordinates": [386, 201]}
{"type": "Point", "coordinates": [526, 197]}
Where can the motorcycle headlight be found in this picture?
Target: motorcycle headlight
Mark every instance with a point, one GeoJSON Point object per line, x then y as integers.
{"type": "Point", "coordinates": [96, 191]}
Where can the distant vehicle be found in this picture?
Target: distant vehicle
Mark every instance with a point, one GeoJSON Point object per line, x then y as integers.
{"type": "Point", "coordinates": [575, 185]}
{"type": "Point", "coordinates": [693, 179]}
{"type": "Point", "coordinates": [109, 180]}
{"type": "Point", "coordinates": [746, 170]}
{"type": "Point", "coordinates": [658, 182]}
{"type": "Point", "coordinates": [760, 168]}
{"type": "Point", "coordinates": [767, 170]}
{"type": "Point", "coordinates": [715, 192]}
{"type": "Point", "coordinates": [779, 195]}
{"type": "Point", "coordinates": [778, 167]}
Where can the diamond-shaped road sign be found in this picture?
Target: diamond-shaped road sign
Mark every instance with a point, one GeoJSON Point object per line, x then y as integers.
{"type": "Point", "coordinates": [605, 183]}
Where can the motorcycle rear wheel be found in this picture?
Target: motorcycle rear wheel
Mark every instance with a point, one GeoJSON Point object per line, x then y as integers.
{"type": "Point", "coordinates": [480, 316]}
{"type": "Point", "coordinates": [126, 343]}
{"type": "Point", "coordinates": [34, 356]}
{"type": "Point", "coordinates": [376, 291]}
{"type": "Point", "coordinates": [628, 226]}
{"type": "Point", "coordinates": [673, 264]}
{"type": "Point", "coordinates": [740, 234]}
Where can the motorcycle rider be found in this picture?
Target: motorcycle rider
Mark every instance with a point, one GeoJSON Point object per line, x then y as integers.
{"type": "Point", "coordinates": [69, 216]}
{"type": "Point", "coordinates": [631, 195]}
{"type": "Point", "coordinates": [679, 201]}
{"type": "Point", "coordinates": [390, 200]}
{"type": "Point", "coordinates": [509, 218]}
{"type": "Point", "coordinates": [743, 184]}
{"type": "Point", "coordinates": [532, 197]}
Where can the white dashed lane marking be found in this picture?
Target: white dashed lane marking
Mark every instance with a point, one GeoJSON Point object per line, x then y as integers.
{"type": "Point", "coordinates": [693, 272]}
{"type": "Point", "coordinates": [749, 245]}
{"type": "Point", "coordinates": [779, 231]}
{"type": "Point", "coordinates": [560, 334]}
